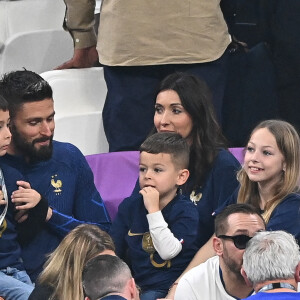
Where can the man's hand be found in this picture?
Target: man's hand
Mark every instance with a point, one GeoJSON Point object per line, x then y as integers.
{"type": "Point", "coordinates": [82, 58]}
{"type": "Point", "coordinates": [171, 293]}
{"type": "Point", "coordinates": [21, 216]}
{"type": "Point", "coordinates": [25, 197]}
{"type": "Point", "coordinates": [151, 199]}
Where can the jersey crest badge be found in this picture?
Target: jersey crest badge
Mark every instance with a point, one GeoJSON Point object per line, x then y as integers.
{"type": "Point", "coordinates": [57, 184]}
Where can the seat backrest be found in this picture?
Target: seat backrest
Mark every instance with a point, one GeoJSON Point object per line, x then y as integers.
{"type": "Point", "coordinates": [238, 154]}
{"type": "Point", "coordinates": [30, 15]}
{"type": "Point", "coordinates": [77, 90]}
{"type": "Point", "coordinates": [79, 96]}
{"type": "Point", "coordinates": [84, 130]}
{"type": "Point", "coordinates": [115, 175]}
{"type": "Point", "coordinates": [38, 51]}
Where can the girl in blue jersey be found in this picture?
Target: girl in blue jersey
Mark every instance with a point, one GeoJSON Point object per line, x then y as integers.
{"type": "Point", "coordinates": [270, 176]}
{"type": "Point", "coordinates": [268, 180]}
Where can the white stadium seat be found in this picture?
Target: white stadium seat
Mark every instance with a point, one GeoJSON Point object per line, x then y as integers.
{"type": "Point", "coordinates": [79, 96]}
{"type": "Point", "coordinates": [38, 51]}
{"type": "Point", "coordinates": [30, 15]}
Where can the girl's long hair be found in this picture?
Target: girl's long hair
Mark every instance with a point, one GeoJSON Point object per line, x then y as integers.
{"type": "Point", "coordinates": [63, 269]}
{"type": "Point", "coordinates": [288, 142]}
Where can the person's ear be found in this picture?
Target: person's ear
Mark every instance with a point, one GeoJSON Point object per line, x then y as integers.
{"type": "Point", "coordinates": [134, 293]}
{"type": "Point", "coordinates": [248, 282]}
{"type": "Point", "coordinates": [183, 176]}
{"type": "Point", "coordinates": [297, 273]}
{"type": "Point", "coordinates": [284, 166]}
{"type": "Point", "coordinates": [218, 246]}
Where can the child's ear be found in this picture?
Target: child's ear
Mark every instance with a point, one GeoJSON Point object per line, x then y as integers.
{"type": "Point", "coordinates": [183, 176]}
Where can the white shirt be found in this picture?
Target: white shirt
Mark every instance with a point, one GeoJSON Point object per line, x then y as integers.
{"type": "Point", "coordinates": [202, 282]}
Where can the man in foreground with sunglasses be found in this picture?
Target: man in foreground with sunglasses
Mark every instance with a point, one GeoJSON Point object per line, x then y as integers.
{"type": "Point", "coordinates": [271, 264]}
{"type": "Point", "coordinates": [220, 278]}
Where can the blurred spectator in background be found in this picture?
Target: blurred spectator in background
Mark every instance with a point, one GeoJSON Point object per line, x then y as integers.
{"type": "Point", "coordinates": [139, 43]}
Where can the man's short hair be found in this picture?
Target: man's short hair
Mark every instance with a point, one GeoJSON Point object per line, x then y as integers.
{"type": "Point", "coordinates": [170, 143]}
{"type": "Point", "coordinates": [103, 275]}
{"type": "Point", "coordinates": [19, 87]}
{"type": "Point", "coordinates": [221, 220]}
{"type": "Point", "coordinates": [271, 255]}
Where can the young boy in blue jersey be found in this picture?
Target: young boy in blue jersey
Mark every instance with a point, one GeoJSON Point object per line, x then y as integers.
{"type": "Point", "coordinates": [16, 197]}
{"type": "Point", "coordinates": [158, 228]}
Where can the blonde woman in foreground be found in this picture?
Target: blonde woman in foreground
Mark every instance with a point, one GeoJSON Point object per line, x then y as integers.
{"type": "Point", "coordinates": [62, 274]}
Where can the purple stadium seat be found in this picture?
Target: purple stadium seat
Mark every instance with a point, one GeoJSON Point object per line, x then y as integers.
{"type": "Point", "coordinates": [115, 175]}
{"type": "Point", "coordinates": [238, 153]}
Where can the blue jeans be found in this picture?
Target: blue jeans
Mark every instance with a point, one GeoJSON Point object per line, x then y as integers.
{"type": "Point", "coordinates": [15, 284]}
{"type": "Point", "coordinates": [153, 295]}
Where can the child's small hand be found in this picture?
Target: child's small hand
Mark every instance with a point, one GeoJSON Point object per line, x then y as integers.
{"type": "Point", "coordinates": [151, 198]}
{"type": "Point", "coordinates": [2, 200]}
{"type": "Point", "coordinates": [25, 197]}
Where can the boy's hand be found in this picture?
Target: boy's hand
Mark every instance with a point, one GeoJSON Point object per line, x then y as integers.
{"type": "Point", "coordinates": [151, 198]}
{"type": "Point", "coordinates": [25, 197]}
{"type": "Point", "coordinates": [2, 200]}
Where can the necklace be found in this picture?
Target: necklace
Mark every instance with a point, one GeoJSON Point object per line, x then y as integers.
{"type": "Point", "coordinates": [277, 285]}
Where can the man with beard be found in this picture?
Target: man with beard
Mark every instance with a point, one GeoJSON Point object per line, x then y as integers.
{"type": "Point", "coordinates": [58, 171]}
{"type": "Point", "coordinates": [220, 278]}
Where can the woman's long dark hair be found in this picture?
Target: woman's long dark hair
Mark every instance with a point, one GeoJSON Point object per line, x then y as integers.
{"type": "Point", "coordinates": [206, 135]}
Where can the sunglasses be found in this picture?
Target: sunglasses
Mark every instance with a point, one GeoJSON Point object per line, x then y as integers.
{"type": "Point", "coordinates": [239, 241]}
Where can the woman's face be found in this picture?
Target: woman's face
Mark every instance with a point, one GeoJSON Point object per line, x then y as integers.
{"type": "Point", "coordinates": [170, 116]}
{"type": "Point", "coordinates": [264, 162]}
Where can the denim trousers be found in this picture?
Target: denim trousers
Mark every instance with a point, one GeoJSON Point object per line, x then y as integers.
{"type": "Point", "coordinates": [15, 284]}
{"type": "Point", "coordinates": [153, 295]}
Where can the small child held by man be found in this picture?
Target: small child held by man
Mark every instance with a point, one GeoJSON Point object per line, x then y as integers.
{"type": "Point", "coordinates": [17, 201]}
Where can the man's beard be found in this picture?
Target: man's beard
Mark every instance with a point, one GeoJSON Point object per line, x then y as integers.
{"type": "Point", "coordinates": [231, 264]}
{"type": "Point", "coordinates": [28, 150]}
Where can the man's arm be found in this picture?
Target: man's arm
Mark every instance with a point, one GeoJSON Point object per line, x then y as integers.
{"type": "Point", "coordinates": [79, 21]}
{"type": "Point", "coordinates": [31, 209]}
{"type": "Point", "coordinates": [85, 204]}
